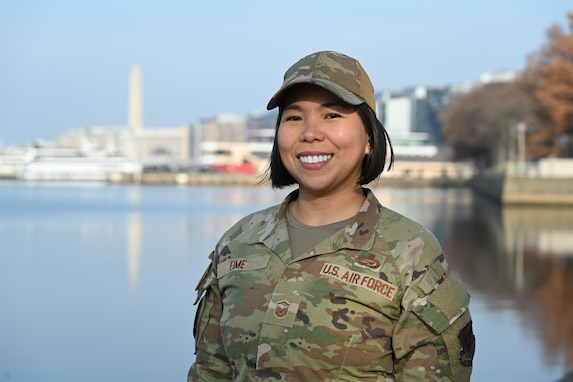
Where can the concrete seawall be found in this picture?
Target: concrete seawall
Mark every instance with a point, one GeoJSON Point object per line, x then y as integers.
{"type": "Point", "coordinates": [524, 190]}
{"type": "Point", "coordinates": [230, 179]}
{"type": "Point", "coordinates": [405, 173]}
{"type": "Point", "coordinates": [196, 179]}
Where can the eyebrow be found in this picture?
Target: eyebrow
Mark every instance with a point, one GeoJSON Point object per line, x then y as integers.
{"type": "Point", "coordinates": [326, 105]}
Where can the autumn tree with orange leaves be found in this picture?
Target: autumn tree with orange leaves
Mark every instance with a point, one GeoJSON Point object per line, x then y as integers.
{"type": "Point", "coordinates": [482, 124]}
{"type": "Point", "coordinates": [550, 71]}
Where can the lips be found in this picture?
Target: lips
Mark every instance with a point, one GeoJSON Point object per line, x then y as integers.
{"type": "Point", "coordinates": [311, 159]}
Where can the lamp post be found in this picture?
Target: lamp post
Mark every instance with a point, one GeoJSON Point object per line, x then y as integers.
{"type": "Point", "coordinates": [521, 128]}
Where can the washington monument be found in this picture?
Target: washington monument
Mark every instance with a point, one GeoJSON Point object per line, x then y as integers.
{"type": "Point", "coordinates": [135, 116]}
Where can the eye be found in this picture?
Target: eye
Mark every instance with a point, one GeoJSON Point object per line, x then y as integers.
{"type": "Point", "coordinates": [332, 115]}
{"type": "Point", "coordinates": [292, 118]}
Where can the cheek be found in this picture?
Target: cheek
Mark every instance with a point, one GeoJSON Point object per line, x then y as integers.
{"type": "Point", "coordinates": [352, 139]}
{"type": "Point", "coordinates": [285, 139]}
{"type": "Point", "coordinates": [283, 145]}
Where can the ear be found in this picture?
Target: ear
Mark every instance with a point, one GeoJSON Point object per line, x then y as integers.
{"type": "Point", "coordinates": [367, 149]}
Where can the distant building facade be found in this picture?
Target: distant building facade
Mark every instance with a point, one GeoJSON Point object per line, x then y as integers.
{"type": "Point", "coordinates": [411, 116]}
{"type": "Point", "coordinates": [221, 129]}
{"type": "Point", "coordinates": [261, 127]}
{"type": "Point", "coordinates": [169, 145]}
{"type": "Point", "coordinates": [233, 140]}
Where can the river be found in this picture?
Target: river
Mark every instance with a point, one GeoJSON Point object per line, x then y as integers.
{"type": "Point", "coordinates": [97, 281]}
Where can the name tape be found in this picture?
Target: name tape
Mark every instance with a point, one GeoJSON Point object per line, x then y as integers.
{"type": "Point", "coordinates": [374, 284]}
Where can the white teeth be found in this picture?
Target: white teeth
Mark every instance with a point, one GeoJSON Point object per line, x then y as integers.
{"type": "Point", "coordinates": [315, 158]}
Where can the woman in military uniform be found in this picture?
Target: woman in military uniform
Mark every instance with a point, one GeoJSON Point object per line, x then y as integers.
{"type": "Point", "coordinates": [330, 285]}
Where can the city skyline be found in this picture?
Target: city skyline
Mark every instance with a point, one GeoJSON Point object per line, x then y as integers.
{"type": "Point", "coordinates": [67, 65]}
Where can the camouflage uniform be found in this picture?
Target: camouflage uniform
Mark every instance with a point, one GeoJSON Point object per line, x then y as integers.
{"type": "Point", "coordinates": [376, 302]}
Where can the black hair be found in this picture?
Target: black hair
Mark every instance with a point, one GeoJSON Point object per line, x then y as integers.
{"type": "Point", "coordinates": [381, 155]}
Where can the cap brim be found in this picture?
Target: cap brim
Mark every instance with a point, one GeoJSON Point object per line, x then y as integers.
{"type": "Point", "coordinates": [337, 90]}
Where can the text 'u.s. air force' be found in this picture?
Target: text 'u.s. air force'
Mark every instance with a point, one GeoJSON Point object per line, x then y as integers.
{"type": "Point", "coordinates": [374, 284]}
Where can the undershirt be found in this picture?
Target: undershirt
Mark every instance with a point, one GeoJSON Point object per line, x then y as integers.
{"type": "Point", "coordinates": [304, 237]}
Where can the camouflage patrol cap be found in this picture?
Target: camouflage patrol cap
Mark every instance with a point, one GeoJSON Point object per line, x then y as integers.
{"type": "Point", "coordinates": [340, 74]}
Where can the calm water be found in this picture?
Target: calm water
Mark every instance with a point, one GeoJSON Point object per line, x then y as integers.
{"type": "Point", "coordinates": [97, 282]}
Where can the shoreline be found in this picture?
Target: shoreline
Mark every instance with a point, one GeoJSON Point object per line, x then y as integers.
{"type": "Point", "coordinates": [500, 188]}
{"type": "Point", "coordinates": [235, 179]}
{"type": "Point", "coordinates": [521, 190]}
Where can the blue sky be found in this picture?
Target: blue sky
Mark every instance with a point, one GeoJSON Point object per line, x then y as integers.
{"type": "Point", "coordinates": [65, 64]}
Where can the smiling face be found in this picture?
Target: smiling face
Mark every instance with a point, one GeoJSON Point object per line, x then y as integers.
{"type": "Point", "coordinates": [322, 141]}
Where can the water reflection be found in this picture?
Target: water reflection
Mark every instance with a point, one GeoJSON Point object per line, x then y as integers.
{"type": "Point", "coordinates": [547, 230]}
{"type": "Point", "coordinates": [521, 258]}
{"type": "Point", "coordinates": [133, 249]}
{"type": "Point", "coordinates": [540, 242]}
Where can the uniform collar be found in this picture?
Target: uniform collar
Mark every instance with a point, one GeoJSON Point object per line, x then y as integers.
{"type": "Point", "coordinates": [358, 234]}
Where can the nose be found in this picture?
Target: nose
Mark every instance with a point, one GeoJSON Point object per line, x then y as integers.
{"type": "Point", "coordinates": [312, 130]}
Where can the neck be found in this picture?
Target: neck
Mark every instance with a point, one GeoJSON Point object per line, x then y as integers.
{"type": "Point", "coordinates": [327, 209]}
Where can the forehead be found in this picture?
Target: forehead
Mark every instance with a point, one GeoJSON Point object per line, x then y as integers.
{"type": "Point", "coordinates": [309, 92]}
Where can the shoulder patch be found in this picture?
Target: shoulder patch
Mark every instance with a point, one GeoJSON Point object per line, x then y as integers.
{"type": "Point", "coordinates": [468, 344]}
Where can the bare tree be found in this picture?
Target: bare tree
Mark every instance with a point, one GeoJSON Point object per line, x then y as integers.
{"type": "Point", "coordinates": [482, 123]}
